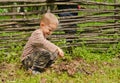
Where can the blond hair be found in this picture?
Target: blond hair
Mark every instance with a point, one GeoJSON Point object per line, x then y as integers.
{"type": "Point", "coordinates": [48, 18]}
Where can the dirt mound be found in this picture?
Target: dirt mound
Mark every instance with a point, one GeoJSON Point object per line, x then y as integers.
{"type": "Point", "coordinates": [7, 72]}
{"type": "Point", "coordinates": [77, 65]}
{"type": "Point", "coordinates": [74, 66]}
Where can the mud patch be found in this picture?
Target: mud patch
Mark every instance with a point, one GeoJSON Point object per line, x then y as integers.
{"type": "Point", "coordinates": [77, 65]}
{"type": "Point", "coordinates": [7, 72]}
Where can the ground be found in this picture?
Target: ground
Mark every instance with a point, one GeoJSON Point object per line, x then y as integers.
{"type": "Point", "coordinates": [11, 71]}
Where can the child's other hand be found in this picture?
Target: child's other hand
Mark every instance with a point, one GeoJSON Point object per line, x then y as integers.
{"type": "Point", "coordinates": [60, 52]}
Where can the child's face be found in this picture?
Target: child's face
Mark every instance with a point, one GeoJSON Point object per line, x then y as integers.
{"type": "Point", "coordinates": [48, 29]}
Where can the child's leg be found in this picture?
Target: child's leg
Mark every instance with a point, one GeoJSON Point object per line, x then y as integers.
{"type": "Point", "coordinates": [28, 62]}
{"type": "Point", "coordinates": [42, 60]}
{"type": "Point", "coordinates": [38, 61]}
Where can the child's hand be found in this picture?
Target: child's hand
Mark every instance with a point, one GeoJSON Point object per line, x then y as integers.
{"type": "Point", "coordinates": [60, 52]}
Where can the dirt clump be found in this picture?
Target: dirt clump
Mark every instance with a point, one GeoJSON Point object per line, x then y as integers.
{"type": "Point", "coordinates": [7, 72]}
{"type": "Point", "coordinates": [74, 66]}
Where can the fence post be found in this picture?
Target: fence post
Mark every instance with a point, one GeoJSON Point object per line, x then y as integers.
{"type": "Point", "coordinates": [116, 11]}
{"type": "Point", "coordinates": [14, 10]}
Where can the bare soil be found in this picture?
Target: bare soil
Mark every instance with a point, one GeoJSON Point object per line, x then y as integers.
{"type": "Point", "coordinates": [77, 65]}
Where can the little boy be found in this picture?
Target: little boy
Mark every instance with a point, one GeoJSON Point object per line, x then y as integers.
{"type": "Point", "coordinates": [39, 53]}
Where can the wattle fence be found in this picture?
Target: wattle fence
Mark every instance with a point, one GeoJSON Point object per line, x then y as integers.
{"type": "Point", "coordinates": [98, 23]}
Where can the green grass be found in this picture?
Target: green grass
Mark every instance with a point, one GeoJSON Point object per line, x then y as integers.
{"type": "Point", "coordinates": [106, 64]}
{"type": "Point", "coordinates": [107, 71]}
{"type": "Point", "coordinates": [78, 78]}
{"type": "Point", "coordinates": [105, 74]}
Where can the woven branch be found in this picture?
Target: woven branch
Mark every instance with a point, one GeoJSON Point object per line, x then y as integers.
{"type": "Point", "coordinates": [6, 1]}
{"type": "Point", "coordinates": [75, 1]}
{"type": "Point", "coordinates": [7, 24]}
{"type": "Point", "coordinates": [78, 43]}
{"type": "Point", "coordinates": [37, 5]}
{"type": "Point", "coordinates": [85, 2]}
{"type": "Point", "coordinates": [87, 34]}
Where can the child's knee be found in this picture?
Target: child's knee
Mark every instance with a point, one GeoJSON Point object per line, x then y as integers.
{"type": "Point", "coordinates": [27, 63]}
{"type": "Point", "coordinates": [49, 55]}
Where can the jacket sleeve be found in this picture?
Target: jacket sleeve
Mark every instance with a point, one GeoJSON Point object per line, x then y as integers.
{"type": "Point", "coordinates": [38, 40]}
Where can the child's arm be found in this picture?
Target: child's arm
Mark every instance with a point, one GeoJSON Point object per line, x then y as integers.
{"type": "Point", "coordinates": [38, 40]}
{"type": "Point", "coordinates": [60, 52]}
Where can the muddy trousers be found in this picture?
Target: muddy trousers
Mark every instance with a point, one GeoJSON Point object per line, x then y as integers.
{"type": "Point", "coordinates": [38, 61]}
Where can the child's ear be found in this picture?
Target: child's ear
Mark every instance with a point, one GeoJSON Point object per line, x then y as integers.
{"type": "Point", "coordinates": [42, 24]}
